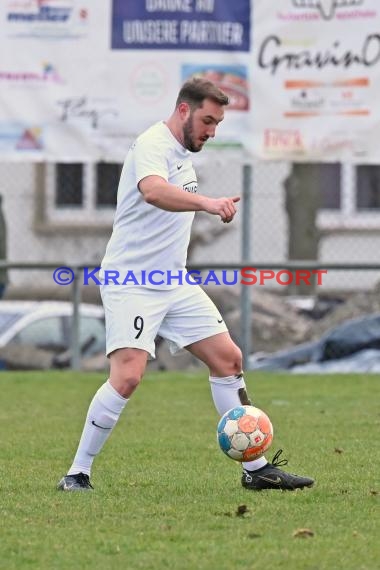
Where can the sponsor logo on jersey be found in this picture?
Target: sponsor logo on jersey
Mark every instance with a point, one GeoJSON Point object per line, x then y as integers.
{"type": "Point", "coordinates": [191, 186]}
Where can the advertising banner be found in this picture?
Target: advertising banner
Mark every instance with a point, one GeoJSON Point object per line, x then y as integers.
{"type": "Point", "coordinates": [80, 79]}
{"type": "Point", "coordinates": [316, 79]}
{"type": "Point", "coordinates": [185, 25]}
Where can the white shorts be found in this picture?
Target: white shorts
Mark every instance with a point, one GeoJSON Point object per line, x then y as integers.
{"type": "Point", "coordinates": [136, 315]}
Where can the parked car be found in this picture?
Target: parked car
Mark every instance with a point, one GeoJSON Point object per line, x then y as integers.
{"type": "Point", "coordinates": [41, 331]}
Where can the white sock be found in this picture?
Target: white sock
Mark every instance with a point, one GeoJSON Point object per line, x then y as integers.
{"type": "Point", "coordinates": [225, 393]}
{"type": "Point", "coordinates": [103, 413]}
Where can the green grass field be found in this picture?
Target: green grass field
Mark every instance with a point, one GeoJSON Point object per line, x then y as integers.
{"type": "Point", "coordinates": [165, 496]}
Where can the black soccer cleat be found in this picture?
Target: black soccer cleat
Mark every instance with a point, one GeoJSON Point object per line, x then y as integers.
{"type": "Point", "coordinates": [77, 482]}
{"type": "Point", "coordinates": [271, 477]}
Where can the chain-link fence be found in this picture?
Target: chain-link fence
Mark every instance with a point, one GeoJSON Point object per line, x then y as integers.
{"type": "Point", "coordinates": [327, 214]}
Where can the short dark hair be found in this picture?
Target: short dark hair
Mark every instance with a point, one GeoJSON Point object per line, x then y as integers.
{"type": "Point", "coordinates": [196, 90]}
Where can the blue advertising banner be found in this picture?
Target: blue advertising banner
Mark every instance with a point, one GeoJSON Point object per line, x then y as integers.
{"type": "Point", "coordinates": [181, 25]}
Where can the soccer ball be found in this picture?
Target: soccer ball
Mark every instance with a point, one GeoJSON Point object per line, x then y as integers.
{"type": "Point", "coordinates": [244, 433]}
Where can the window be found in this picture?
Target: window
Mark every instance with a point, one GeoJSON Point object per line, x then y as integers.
{"type": "Point", "coordinates": [107, 181]}
{"type": "Point", "coordinates": [7, 319]}
{"type": "Point", "coordinates": [44, 333]}
{"type": "Point", "coordinates": [68, 185]}
{"type": "Point", "coordinates": [350, 196]}
{"type": "Point", "coordinates": [81, 193]}
{"type": "Point", "coordinates": [368, 187]}
{"type": "Point", "coordinates": [92, 336]}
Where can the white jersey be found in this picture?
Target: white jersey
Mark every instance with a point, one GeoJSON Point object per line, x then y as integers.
{"type": "Point", "coordinates": [145, 238]}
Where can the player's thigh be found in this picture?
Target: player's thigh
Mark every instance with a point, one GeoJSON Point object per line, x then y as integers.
{"type": "Point", "coordinates": [192, 317]}
{"type": "Point", "coordinates": [133, 316]}
{"type": "Point", "coordinates": [219, 352]}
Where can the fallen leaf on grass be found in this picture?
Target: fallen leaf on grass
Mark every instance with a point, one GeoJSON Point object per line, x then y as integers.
{"type": "Point", "coordinates": [241, 510]}
{"type": "Point", "coordinates": [303, 533]}
{"type": "Point", "coordinates": [166, 527]}
{"type": "Point", "coordinates": [254, 535]}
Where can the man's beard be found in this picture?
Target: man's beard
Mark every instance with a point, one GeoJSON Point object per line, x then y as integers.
{"type": "Point", "coordinates": [188, 138]}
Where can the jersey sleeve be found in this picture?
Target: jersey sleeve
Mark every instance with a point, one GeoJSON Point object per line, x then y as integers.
{"type": "Point", "coordinates": [150, 159]}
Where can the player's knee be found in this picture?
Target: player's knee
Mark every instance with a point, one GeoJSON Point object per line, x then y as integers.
{"type": "Point", "coordinates": [236, 359]}
{"type": "Point", "coordinates": [127, 382]}
{"type": "Point", "coordinates": [230, 363]}
{"type": "Point", "coordinates": [127, 369]}
{"type": "Point", "coordinates": [125, 379]}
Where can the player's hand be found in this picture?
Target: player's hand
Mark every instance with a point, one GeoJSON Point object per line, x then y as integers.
{"type": "Point", "coordinates": [223, 207]}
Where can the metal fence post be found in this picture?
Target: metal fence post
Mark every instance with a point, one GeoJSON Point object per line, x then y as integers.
{"type": "Point", "coordinates": [245, 292]}
{"type": "Point", "coordinates": [75, 321]}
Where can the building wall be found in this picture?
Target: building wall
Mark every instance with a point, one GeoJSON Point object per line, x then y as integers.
{"type": "Point", "coordinates": [219, 174]}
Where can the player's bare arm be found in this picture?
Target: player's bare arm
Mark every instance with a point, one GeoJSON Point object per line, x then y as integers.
{"type": "Point", "coordinates": [160, 193]}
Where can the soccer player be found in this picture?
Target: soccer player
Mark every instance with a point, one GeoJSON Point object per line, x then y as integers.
{"type": "Point", "coordinates": [157, 199]}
